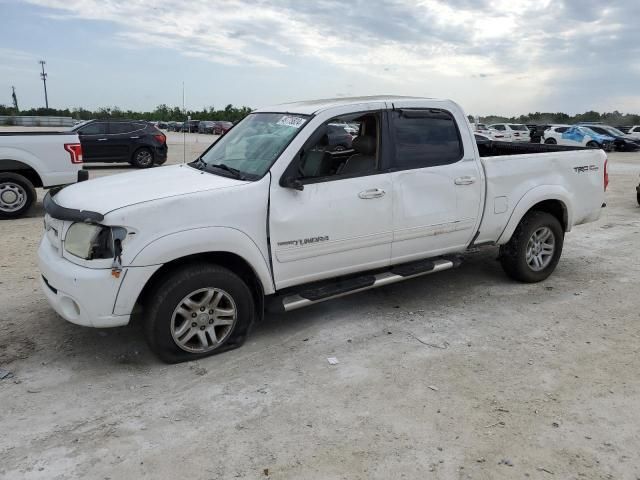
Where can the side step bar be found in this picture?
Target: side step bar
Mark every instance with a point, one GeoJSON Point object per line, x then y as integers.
{"type": "Point", "coordinates": [304, 298]}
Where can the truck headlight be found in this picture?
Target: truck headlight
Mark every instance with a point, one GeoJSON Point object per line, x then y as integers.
{"type": "Point", "coordinates": [90, 241]}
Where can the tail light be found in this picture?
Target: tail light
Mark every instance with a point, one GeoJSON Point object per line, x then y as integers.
{"type": "Point", "coordinates": [75, 150]}
{"type": "Point", "coordinates": [606, 175]}
{"type": "Point", "coordinates": [160, 137]}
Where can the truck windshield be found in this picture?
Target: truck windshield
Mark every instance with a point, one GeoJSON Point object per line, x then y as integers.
{"type": "Point", "coordinates": [249, 149]}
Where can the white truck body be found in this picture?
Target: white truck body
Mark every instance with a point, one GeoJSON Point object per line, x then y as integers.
{"type": "Point", "coordinates": [43, 159]}
{"type": "Point", "coordinates": [290, 237]}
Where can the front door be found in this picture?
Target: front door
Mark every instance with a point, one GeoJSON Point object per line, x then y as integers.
{"type": "Point", "coordinates": [341, 221]}
{"type": "Point", "coordinates": [437, 185]}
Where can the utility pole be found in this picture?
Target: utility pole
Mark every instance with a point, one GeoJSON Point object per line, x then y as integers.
{"type": "Point", "coordinates": [43, 76]}
{"type": "Point", "coordinates": [15, 98]}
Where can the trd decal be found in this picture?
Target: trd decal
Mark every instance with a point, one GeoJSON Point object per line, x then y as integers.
{"type": "Point", "coordinates": [586, 168]}
{"type": "Point", "coordinates": [303, 241]}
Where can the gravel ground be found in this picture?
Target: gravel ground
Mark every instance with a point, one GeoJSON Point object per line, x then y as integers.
{"type": "Point", "coordinates": [463, 374]}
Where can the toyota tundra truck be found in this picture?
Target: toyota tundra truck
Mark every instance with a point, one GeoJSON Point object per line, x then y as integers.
{"type": "Point", "coordinates": [272, 217]}
{"type": "Point", "coordinates": [36, 159]}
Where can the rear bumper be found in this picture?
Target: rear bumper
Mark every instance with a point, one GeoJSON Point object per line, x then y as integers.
{"type": "Point", "coordinates": [160, 154]}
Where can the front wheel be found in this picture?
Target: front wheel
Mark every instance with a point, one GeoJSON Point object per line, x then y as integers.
{"type": "Point", "coordinates": [534, 249]}
{"type": "Point", "coordinates": [197, 311]}
{"type": "Point", "coordinates": [593, 144]}
{"type": "Point", "coordinates": [17, 194]}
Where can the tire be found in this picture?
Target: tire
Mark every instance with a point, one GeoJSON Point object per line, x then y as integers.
{"type": "Point", "coordinates": [185, 292]}
{"type": "Point", "coordinates": [517, 256]}
{"type": "Point", "coordinates": [593, 144]}
{"type": "Point", "coordinates": [638, 197]}
{"type": "Point", "coordinates": [550, 141]}
{"type": "Point", "coordinates": [17, 194]}
{"type": "Point", "coordinates": [142, 158]}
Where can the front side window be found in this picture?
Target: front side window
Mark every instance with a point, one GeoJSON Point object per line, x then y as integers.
{"type": "Point", "coordinates": [249, 149]}
{"type": "Point", "coordinates": [93, 129]}
{"type": "Point", "coordinates": [343, 146]}
{"type": "Point", "coordinates": [425, 139]}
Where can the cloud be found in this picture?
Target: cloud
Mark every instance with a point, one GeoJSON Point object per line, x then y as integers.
{"type": "Point", "coordinates": [524, 48]}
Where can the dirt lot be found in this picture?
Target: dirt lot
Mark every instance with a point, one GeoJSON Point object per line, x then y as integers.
{"type": "Point", "coordinates": [463, 374]}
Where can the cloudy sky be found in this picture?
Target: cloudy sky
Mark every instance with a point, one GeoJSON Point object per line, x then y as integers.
{"type": "Point", "coordinates": [492, 56]}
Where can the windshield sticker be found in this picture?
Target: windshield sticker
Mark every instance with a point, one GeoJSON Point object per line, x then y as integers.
{"type": "Point", "coordinates": [289, 121]}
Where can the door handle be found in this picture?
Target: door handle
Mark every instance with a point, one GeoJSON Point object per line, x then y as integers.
{"type": "Point", "coordinates": [372, 193]}
{"type": "Point", "coordinates": [466, 180]}
{"type": "Point", "coordinates": [102, 139]}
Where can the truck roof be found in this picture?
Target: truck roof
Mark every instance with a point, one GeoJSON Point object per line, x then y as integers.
{"type": "Point", "coordinates": [309, 107]}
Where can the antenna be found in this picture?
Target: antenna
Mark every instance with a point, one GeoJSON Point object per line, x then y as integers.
{"type": "Point", "coordinates": [43, 76]}
{"type": "Point", "coordinates": [184, 133]}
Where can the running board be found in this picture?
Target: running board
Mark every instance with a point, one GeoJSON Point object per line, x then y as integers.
{"type": "Point", "coordinates": [396, 274]}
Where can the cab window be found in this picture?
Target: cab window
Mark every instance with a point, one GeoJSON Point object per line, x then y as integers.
{"type": "Point", "coordinates": [425, 138]}
{"type": "Point", "coordinates": [342, 147]}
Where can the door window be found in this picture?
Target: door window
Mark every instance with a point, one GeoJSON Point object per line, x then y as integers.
{"type": "Point", "coordinates": [121, 127]}
{"type": "Point", "coordinates": [94, 129]}
{"type": "Point", "coordinates": [344, 146]}
{"type": "Point", "coordinates": [425, 139]}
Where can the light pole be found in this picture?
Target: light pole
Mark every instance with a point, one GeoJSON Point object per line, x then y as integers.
{"type": "Point", "coordinates": [43, 76]}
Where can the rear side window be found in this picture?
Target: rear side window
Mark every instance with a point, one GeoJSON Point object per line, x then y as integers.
{"type": "Point", "coordinates": [120, 127]}
{"type": "Point", "coordinates": [94, 129]}
{"type": "Point", "coordinates": [425, 139]}
{"type": "Point", "coordinates": [520, 128]}
{"type": "Point", "coordinates": [562, 129]}
{"type": "Point", "coordinates": [499, 127]}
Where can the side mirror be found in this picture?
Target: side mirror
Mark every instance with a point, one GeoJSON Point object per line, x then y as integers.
{"type": "Point", "coordinates": [292, 182]}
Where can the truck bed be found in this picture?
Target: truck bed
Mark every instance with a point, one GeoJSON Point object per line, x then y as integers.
{"type": "Point", "coordinates": [497, 149]}
{"type": "Point", "coordinates": [517, 171]}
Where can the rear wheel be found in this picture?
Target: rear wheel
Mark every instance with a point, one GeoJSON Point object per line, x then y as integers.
{"type": "Point", "coordinates": [197, 311]}
{"type": "Point", "coordinates": [142, 158]}
{"type": "Point", "coordinates": [17, 194]}
{"type": "Point", "coordinates": [535, 247]}
{"type": "Point", "coordinates": [550, 141]}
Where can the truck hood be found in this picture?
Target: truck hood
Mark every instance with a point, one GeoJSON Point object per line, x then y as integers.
{"type": "Point", "coordinates": [105, 194]}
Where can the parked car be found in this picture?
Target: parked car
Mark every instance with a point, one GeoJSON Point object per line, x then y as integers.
{"type": "Point", "coordinates": [300, 224]}
{"type": "Point", "coordinates": [519, 132]}
{"type": "Point", "coordinates": [552, 133]}
{"type": "Point", "coordinates": [622, 142]}
{"type": "Point", "coordinates": [29, 160]}
{"type": "Point", "coordinates": [191, 126]}
{"type": "Point", "coordinates": [206, 126]}
{"type": "Point", "coordinates": [577, 135]}
{"type": "Point", "coordinates": [634, 131]}
{"type": "Point", "coordinates": [338, 138]}
{"type": "Point", "coordinates": [136, 142]}
{"type": "Point", "coordinates": [162, 125]}
{"type": "Point", "coordinates": [222, 127]}
{"type": "Point", "coordinates": [536, 132]}
{"type": "Point", "coordinates": [176, 126]}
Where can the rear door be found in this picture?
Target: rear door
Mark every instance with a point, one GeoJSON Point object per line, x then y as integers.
{"type": "Point", "coordinates": [93, 138]}
{"type": "Point", "coordinates": [124, 139]}
{"type": "Point", "coordinates": [437, 183]}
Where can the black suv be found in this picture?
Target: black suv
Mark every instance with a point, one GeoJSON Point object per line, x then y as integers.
{"type": "Point", "coordinates": [139, 143]}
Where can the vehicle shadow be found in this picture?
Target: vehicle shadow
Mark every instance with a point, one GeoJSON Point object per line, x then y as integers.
{"type": "Point", "coordinates": [126, 347]}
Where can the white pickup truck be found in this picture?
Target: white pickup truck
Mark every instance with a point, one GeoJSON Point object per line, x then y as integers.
{"type": "Point", "coordinates": [36, 159]}
{"type": "Point", "coordinates": [271, 216]}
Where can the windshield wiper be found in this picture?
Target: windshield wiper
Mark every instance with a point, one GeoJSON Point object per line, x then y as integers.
{"type": "Point", "coordinates": [234, 171]}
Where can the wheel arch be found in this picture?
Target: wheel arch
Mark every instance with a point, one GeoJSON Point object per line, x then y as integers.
{"type": "Point", "coordinates": [21, 168]}
{"type": "Point", "coordinates": [554, 200]}
{"type": "Point", "coordinates": [229, 260]}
